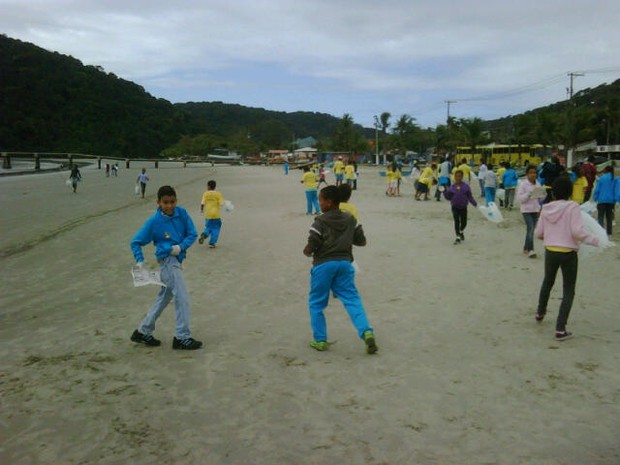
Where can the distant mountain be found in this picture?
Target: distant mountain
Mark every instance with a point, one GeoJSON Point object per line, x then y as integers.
{"type": "Point", "coordinates": [51, 102]}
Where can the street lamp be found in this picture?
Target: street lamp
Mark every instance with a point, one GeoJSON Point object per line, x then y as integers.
{"type": "Point", "coordinates": [376, 140]}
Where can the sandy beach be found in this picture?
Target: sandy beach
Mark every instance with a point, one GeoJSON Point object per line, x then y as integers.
{"type": "Point", "coordinates": [464, 375]}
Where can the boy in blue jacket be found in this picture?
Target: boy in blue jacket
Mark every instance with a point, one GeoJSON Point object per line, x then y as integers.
{"type": "Point", "coordinates": [510, 181]}
{"type": "Point", "coordinates": [459, 194]}
{"type": "Point", "coordinates": [172, 231]}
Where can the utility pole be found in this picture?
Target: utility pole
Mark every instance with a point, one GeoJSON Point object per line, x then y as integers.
{"type": "Point", "coordinates": [571, 149]}
{"type": "Point", "coordinates": [448, 102]}
{"type": "Point", "coordinates": [376, 140]}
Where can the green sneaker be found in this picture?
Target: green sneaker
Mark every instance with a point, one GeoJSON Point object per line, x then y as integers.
{"type": "Point", "coordinates": [319, 345]}
{"type": "Point", "coordinates": [371, 345]}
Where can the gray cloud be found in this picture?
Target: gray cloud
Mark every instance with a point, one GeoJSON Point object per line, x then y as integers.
{"type": "Point", "coordinates": [401, 55]}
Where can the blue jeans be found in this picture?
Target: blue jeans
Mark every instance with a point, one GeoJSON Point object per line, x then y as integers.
{"type": "Point", "coordinates": [172, 276]}
{"type": "Point", "coordinates": [530, 223]}
{"type": "Point", "coordinates": [312, 200]}
{"type": "Point", "coordinates": [336, 276]}
{"type": "Point", "coordinates": [489, 195]}
{"type": "Point", "coordinates": [212, 228]}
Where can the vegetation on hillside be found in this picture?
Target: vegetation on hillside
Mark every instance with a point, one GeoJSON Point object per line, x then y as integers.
{"type": "Point", "coordinates": [53, 103]}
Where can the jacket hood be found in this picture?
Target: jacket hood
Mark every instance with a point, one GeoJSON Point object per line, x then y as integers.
{"type": "Point", "coordinates": [555, 210]}
{"type": "Point", "coordinates": [336, 219]}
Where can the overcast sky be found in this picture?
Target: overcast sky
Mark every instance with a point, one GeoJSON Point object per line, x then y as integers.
{"type": "Point", "coordinates": [492, 57]}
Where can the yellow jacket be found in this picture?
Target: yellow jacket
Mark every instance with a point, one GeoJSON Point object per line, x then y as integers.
{"type": "Point", "coordinates": [212, 201]}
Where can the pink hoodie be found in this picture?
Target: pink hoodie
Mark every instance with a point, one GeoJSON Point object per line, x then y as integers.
{"type": "Point", "coordinates": [528, 204]}
{"type": "Point", "coordinates": [560, 225]}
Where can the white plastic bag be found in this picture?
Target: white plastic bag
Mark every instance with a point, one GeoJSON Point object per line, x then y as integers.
{"type": "Point", "coordinates": [69, 183]}
{"type": "Point", "coordinates": [491, 213]}
{"type": "Point", "coordinates": [501, 194]}
{"type": "Point", "coordinates": [136, 191]}
{"type": "Point", "coordinates": [228, 206]}
{"type": "Point", "coordinates": [144, 277]}
{"type": "Point", "coordinates": [592, 226]}
{"type": "Point", "coordinates": [589, 207]}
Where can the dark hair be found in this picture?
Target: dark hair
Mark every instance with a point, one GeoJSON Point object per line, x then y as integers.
{"type": "Point", "coordinates": [166, 191]}
{"type": "Point", "coordinates": [306, 168]}
{"type": "Point", "coordinates": [507, 165]}
{"type": "Point", "coordinates": [211, 184]}
{"type": "Point", "coordinates": [531, 167]}
{"type": "Point", "coordinates": [331, 193]}
{"type": "Point", "coordinates": [562, 188]}
{"type": "Point", "coordinates": [609, 169]}
{"type": "Point", "coordinates": [344, 192]}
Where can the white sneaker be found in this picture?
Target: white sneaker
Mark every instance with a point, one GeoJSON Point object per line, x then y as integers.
{"type": "Point", "coordinates": [531, 254]}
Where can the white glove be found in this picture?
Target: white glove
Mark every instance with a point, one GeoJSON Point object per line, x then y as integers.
{"type": "Point", "coordinates": [176, 250]}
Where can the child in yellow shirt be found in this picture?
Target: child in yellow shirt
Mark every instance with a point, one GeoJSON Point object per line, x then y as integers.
{"type": "Point", "coordinates": [212, 200]}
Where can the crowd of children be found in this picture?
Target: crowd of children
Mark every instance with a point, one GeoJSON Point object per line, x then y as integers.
{"type": "Point", "coordinates": [550, 209]}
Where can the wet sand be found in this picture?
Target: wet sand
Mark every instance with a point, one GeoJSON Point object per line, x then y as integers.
{"type": "Point", "coordinates": [463, 375]}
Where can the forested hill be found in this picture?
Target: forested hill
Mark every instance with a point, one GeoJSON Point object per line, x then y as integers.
{"type": "Point", "coordinates": [51, 102]}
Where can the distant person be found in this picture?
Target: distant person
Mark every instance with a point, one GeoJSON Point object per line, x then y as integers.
{"type": "Point", "coordinates": [589, 171]}
{"type": "Point", "coordinates": [339, 171]}
{"type": "Point", "coordinates": [490, 185]}
{"type": "Point", "coordinates": [311, 182]}
{"type": "Point", "coordinates": [459, 194]}
{"type": "Point", "coordinates": [510, 179]}
{"type": "Point", "coordinates": [344, 193]}
{"type": "Point", "coordinates": [560, 226]}
{"type": "Point", "coordinates": [356, 175]}
{"type": "Point", "coordinates": [425, 183]}
{"type": "Point", "coordinates": [172, 231]}
{"type": "Point", "coordinates": [349, 173]}
{"type": "Point", "coordinates": [398, 177]}
{"type": "Point", "coordinates": [606, 195]}
{"type": "Point", "coordinates": [322, 179]}
{"type": "Point", "coordinates": [580, 184]}
{"type": "Point", "coordinates": [482, 172]}
{"type": "Point", "coordinates": [330, 243]}
{"type": "Point", "coordinates": [550, 172]}
{"type": "Point", "coordinates": [444, 178]}
{"type": "Point", "coordinates": [466, 170]}
{"type": "Point", "coordinates": [285, 166]}
{"type": "Point", "coordinates": [75, 177]}
{"type": "Point", "coordinates": [500, 182]}
{"type": "Point", "coordinates": [530, 208]}
{"type": "Point", "coordinates": [114, 169]}
{"type": "Point", "coordinates": [107, 170]}
{"type": "Point", "coordinates": [210, 205]}
{"type": "Point", "coordinates": [141, 180]}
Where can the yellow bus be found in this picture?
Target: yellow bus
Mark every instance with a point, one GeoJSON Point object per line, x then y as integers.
{"type": "Point", "coordinates": [517, 155]}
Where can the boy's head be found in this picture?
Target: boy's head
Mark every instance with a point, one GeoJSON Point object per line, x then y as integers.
{"type": "Point", "coordinates": [167, 200]}
{"type": "Point", "coordinates": [143, 170]}
{"type": "Point", "coordinates": [507, 165]}
{"type": "Point", "coordinates": [211, 185]}
{"type": "Point", "coordinates": [562, 188]}
{"type": "Point", "coordinates": [329, 198]}
{"type": "Point", "coordinates": [458, 176]}
{"type": "Point", "coordinates": [344, 192]}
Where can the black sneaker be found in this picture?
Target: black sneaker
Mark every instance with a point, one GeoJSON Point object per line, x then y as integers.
{"type": "Point", "coordinates": [186, 344]}
{"type": "Point", "coordinates": [140, 338]}
{"type": "Point", "coordinates": [457, 241]}
{"type": "Point", "coordinates": [539, 317]}
{"type": "Point", "coordinates": [201, 238]}
{"type": "Point", "coordinates": [462, 237]}
{"type": "Point", "coordinates": [562, 335]}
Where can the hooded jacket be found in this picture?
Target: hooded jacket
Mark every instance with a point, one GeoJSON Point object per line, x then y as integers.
{"type": "Point", "coordinates": [528, 203]}
{"type": "Point", "coordinates": [560, 225]}
{"type": "Point", "coordinates": [332, 236]}
{"type": "Point", "coordinates": [165, 231]}
{"type": "Point", "coordinates": [607, 189]}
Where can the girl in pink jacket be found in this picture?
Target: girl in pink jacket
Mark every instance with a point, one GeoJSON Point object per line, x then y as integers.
{"type": "Point", "coordinates": [561, 228]}
{"type": "Point", "coordinates": [530, 207]}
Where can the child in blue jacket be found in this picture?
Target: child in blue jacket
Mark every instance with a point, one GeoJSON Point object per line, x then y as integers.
{"type": "Point", "coordinates": [606, 194]}
{"type": "Point", "coordinates": [510, 181]}
{"type": "Point", "coordinates": [172, 231]}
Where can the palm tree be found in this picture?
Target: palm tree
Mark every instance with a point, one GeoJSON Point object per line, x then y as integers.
{"type": "Point", "coordinates": [473, 130]}
{"type": "Point", "coordinates": [385, 124]}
